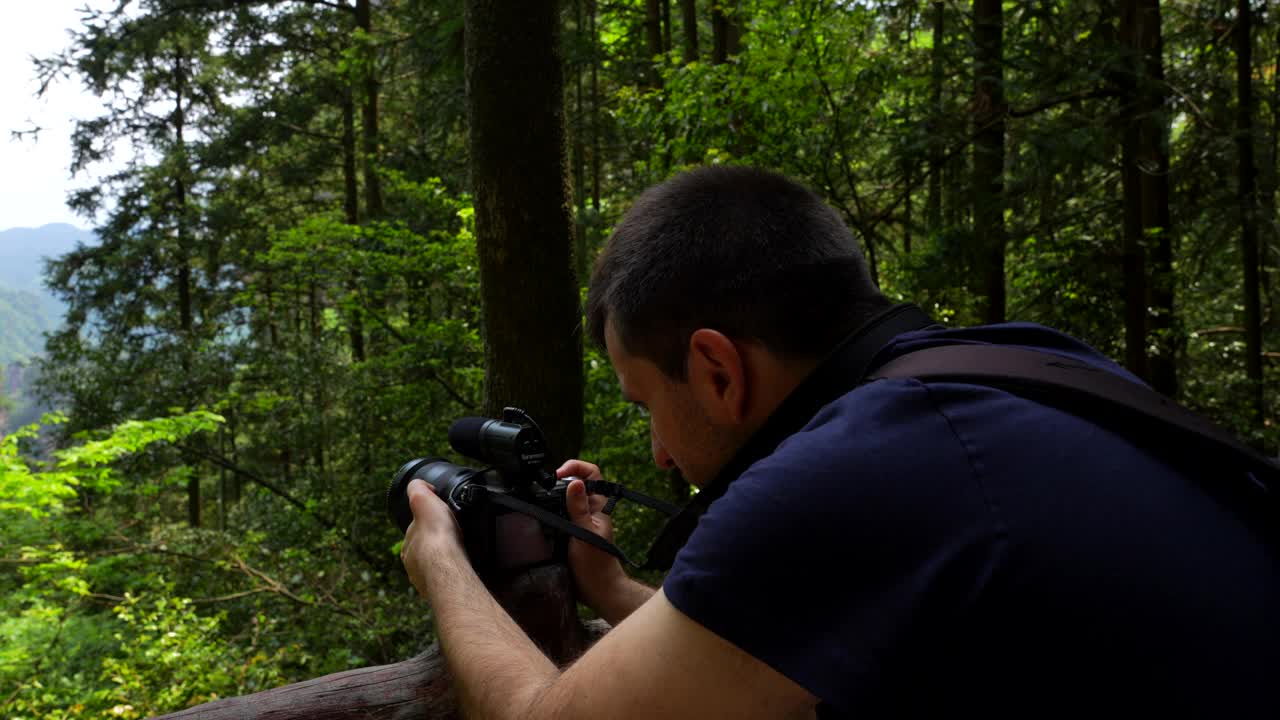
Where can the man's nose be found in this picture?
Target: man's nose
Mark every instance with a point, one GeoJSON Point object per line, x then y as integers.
{"type": "Point", "coordinates": [661, 457]}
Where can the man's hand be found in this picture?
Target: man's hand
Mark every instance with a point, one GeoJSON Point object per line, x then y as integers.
{"type": "Point", "coordinates": [434, 530]}
{"type": "Point", "coordinates": [602, 582]}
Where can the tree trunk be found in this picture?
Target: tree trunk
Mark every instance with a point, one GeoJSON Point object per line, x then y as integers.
{"type": "Point", "coordinates": [666, 25]}
{"type": "Point", "coordinates": [579, 158]}
{"type": "Point", "coordinates": [933, 203]}
{"type": "Point", "coordinates": [1269, 182]}
{"type": "Point", "coordinates": [689, 14]}
{"type": "Point", "coordinates": [524, 227]}
{"type": "Point", "coordinates": [908, 158]}
{"type": "Point", "coordinates": [369, 117]}
{"type": "Point", "coordinates": [1154, 161]}
{"type": "Point", "coordinates": [186, 316]}
{"type": "Point", "coordinates": [595, 108]}
{"type": "Point", "coordinates": [724, 30]}
{"type": "Point", "coordinates": [1248, 207]}
{"type": "Point", "coordinates": [988, 152]}
{"type": "Point", "coordinates": [1133, 247]}
{"type": "Point", "coordinates": [653, 41]}
{"type": "Point", "coordinates": [351, 212]}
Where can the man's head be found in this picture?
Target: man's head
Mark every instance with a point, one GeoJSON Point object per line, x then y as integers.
{"type": "Point", "coordinates": [730, 283]}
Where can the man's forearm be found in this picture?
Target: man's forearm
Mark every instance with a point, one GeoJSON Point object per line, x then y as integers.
{"type": "Point", "coordinates": [628, 595]}
{"type": "Point", "coordinates": [498, 669]}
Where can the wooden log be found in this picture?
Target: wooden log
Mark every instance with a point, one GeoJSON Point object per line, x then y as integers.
{"type": "Point", "coordinates": [417, 688]}
{"type": "Point", "coordinates": [542, 601]}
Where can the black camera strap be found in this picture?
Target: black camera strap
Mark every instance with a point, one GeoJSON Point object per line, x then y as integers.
{"type": "Point", "coordinates": [596, 487]}
{"type": "Point", "coordinates": [613, 491]}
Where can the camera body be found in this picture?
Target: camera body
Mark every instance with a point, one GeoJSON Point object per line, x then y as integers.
{"type": "Point", "coordinates": [491, 504]}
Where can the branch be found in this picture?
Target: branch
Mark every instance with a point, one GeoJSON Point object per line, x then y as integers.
{"type": "Point", "coordinates": [431, 372]}
{"type": "Point", "coordinates": [1094, 94]}
{"type": "Point", "coordinates": [275, 586]}
{"type": "Point", "coordinates": [327, 523]}
{"type": "Point", "coordinates": [232, 596]}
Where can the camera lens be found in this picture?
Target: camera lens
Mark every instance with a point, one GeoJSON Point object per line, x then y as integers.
{"type": "Point", "coordinates": [444, 476]}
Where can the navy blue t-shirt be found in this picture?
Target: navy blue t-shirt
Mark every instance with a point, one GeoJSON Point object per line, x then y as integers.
{"type": "Point", "coordinates": [942, 548]}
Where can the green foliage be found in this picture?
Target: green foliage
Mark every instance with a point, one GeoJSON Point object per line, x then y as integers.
{"type": "Point", "coordinates": [55, 645]}
{"type": "Point", "coordinates": [171, 656]}
{"type": "Point", "coordinates": [22, 490]}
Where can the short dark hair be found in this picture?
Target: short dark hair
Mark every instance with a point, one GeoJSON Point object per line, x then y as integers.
{"type": "Point", "coordinates": [742, 250]}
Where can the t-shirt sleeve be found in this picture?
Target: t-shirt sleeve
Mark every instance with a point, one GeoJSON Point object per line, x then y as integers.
{"type": "Point", "coordinates": [828, 559]}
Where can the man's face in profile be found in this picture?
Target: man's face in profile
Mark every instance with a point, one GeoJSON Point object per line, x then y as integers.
{"type": "Point", "coordinates": [681, 435]}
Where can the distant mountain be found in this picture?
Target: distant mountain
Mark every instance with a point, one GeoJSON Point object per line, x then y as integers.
{"type": "Point", "coordinates": [22, 252]}
{"type": "Point", "coordinates": [27, 308]}
{"type": "Point", "coordinates": [24, 318]}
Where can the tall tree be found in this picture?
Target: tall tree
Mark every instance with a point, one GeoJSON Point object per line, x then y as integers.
{"type": "Point", "coordinates": [1156, 224]}
{"type": "Point", "coordinates": [689, 16]}
{"type": "Point", "coordinates": [933, 202]}
{"type": "Point", "coordinates": [1247, 190]}
{"type": "Point", "coordinates": [1148, 232]}
{"type": "Point", "coordinates": [524, 228]}
{"type": "Point", "coordinates": [725, 30]}
{"type": "Point", "coordinates": [988, 152]}
{"type": "Point", "coordinates": [653, 40]}
{"type": "Point", "coordinates": [666, 25]}
{"type": "Point", "coordinates": [142, 301]}
{"type": "Point", "coordinates": [1133, 247]}
{"type": "Point", "coordinates": [369, 112]}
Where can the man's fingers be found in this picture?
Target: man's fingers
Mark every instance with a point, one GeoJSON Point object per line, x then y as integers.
{"type": "Point", "coordinates": [579, 468]}
{"type": "Point", "coordinates": [419, 492]}
{"type": "Point", "coordinates": [597, 502]}
{"type": "Point", "coordinates": [578, 504]}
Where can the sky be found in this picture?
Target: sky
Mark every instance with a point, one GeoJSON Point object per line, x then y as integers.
{"type": "Point", "coordinates": [35, 174]}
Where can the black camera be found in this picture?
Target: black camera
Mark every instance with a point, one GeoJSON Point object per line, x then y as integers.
{"type": "Point", "coordinates": [512, 513]}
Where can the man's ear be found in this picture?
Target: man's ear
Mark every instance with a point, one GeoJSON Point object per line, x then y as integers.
{"type": "Point", "coordinates": [718, 375]}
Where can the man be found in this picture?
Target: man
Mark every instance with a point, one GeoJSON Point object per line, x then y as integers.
{"type": "Point", "coordinates": [893, 548]}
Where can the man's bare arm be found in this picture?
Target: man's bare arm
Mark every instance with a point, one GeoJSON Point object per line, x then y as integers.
{"type": "Point", "coordinates": [656, 663]}
{"type": "Point", "coordinates": [625, 598]}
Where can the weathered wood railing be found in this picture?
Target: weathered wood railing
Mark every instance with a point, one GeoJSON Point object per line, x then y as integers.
{"type": "Point", "coordinates": [541, 601]}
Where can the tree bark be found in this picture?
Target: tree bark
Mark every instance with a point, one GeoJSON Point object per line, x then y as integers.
{"type": "Point", "coordinates": [524, 224]}
{"type": "Point", "coordinates": [351, 211]}
{"type": "Point", "coordinates": [908, 158]}
{"type": "Point", "coordinates": [186, 315]}
{"type": "Point", "coordinates": [595, 108]}
{"type": "Point", "coordinates": [579, 157]}
{"type": "Point", "coordinates": [653, 41]}
{"type": "Point", "coordinates": [1133, 247]}
{"type": "Point", "coordinates": [1248, 207]}
{"type": "Point", "coordinates": [933, 203]}
{"type": "Point", "coordinates": [369, 116]}
{"type": "Point", "coordinates": [689, 14]}
{"type": "Point", "coordinates": [988, 152]}
{"type": "Point", "coordinates": [1156, 225]}
{"type": "Point", "coordinates": [666, 25]}
{"type": "Point", "coordinates": [419, 688]}
{"type": "Point", "coordinates": [724, 30]}
{"type": "Point", "coordinates": [1268, 179]}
